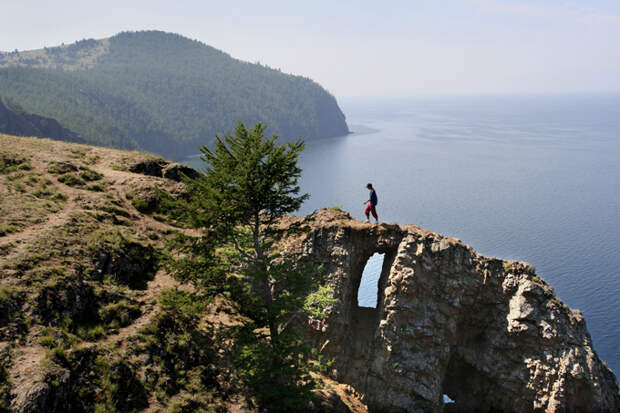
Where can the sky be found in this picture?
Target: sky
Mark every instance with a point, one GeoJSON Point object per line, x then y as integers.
{"type": "Point", "coordinates": [366, 48]}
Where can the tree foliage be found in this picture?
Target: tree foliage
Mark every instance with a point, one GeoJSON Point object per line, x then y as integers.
{"type": "Point", "coordinates": [249, 182]}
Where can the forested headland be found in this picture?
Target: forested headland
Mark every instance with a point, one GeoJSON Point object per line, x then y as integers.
{"type": "Point", "coordinates": [162, 93]}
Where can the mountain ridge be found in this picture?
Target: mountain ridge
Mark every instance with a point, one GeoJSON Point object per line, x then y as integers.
{"type": "Point", "coordinates": [15, 121]}
{"type": "Point", "coordinates": [163, 93]}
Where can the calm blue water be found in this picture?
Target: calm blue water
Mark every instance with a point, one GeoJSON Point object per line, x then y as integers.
{"type": "Point", "coordinates": [529, 178]}
{"type": "Point", "coordinates": [367, 294]}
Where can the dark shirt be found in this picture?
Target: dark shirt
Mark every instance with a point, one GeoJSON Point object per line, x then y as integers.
{"type": "Point", "coordinates": [373, 197]}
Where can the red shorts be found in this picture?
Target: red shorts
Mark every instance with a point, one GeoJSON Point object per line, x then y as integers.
{"type": "Point", "coordinates": [371, 208]}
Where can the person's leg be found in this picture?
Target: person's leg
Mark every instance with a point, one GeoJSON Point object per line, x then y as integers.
{"type": "Point", "coordinates": [367, 212]}
{"type": "Point", "coordinates": [374, 213]}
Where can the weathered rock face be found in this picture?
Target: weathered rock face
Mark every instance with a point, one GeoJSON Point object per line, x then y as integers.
{"type": "Point", "coordinates": [488, 333]}
{"type": "Point", "coordinates": [50, 394]}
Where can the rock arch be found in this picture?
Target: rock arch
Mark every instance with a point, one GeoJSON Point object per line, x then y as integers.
{"type": "Point", "coordinates": [487, 332]}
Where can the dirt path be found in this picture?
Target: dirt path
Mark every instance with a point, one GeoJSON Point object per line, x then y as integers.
{"type": "Point", "coordinates": [25, 368]}
{"type": "Point", "coordinates": [148, 305]}
{"type": "Point", "coordinates": [22, 238]}
{"type": "Point", "coordinates": [25, 371]}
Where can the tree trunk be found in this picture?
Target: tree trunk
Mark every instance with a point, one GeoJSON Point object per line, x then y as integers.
{"type": "Point", "coordinates": [260, 255]}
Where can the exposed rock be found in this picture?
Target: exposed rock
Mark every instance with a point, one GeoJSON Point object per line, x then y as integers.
{"type": "Point", "coordinates": [145, 200]}
{"type": "Point", "coordinates": [165, 169]}
{"type": "Point", "coordinates": [488, 333]}
{"type": "Point", "coordinates": [50, 394]}
{"type": "Point", "coordinates": [129, 263]}
{"type": "Point", "coordinates": [151, 167]}
{"type": "Point", "coordinates": [65, 298]}
{"type": "Point", "coordinates": [175, 171]}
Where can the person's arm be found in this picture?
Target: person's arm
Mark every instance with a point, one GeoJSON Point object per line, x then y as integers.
{"type": "Point", "coordinates": [365, 202]}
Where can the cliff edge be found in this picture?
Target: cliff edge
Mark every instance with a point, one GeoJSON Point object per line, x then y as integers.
{"type": "Point", "coordinates": [488, 333]}
{"type": "Point", "coordinates": [91, 320]}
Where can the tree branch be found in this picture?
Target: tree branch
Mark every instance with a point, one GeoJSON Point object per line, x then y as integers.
{"type": "Point", "coordinates": [240, 250]}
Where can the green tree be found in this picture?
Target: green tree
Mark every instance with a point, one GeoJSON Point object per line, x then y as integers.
{"type": "Point", "coordinates": [248, 183]}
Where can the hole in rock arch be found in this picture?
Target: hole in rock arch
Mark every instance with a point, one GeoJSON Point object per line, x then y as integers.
{"type": "Point", "coordinates": [368, 291]}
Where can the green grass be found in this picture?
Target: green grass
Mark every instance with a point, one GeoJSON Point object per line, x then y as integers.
{"type": "Point", "coordinates": [96, 188]}
{"type": "Point", "coordinates": [119, 314]}
{"type": "Point", "coordinates": [90, 175]}
{"type": "Point", "coordinates": [6, 229]}
{"type": "Point", "coordinates": [71, 179]}
{"type": "Point", "coordinates": [181, 301]}
{"type": "Point", "coordinates": [93, 333]}
{"type": "Point", "coordinates": [10, 162]}
{"type": "Point", "coordinates": [13, 321]}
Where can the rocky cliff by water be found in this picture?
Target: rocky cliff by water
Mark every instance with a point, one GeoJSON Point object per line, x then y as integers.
{"type": "Point", "coordinates": [488, 333]}
{"type": "Point", "coordinates": [91, 319]}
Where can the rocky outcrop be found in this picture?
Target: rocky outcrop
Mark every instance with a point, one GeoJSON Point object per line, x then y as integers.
{"type": "Point", "coordinates": [151, 167]}
{"type": "Point", "coordinates": [164, 169]}
{"type": "Point", "coordinates": [176, 171]}
{"type": "Point", "coordinates": [488, 333]}
{"type": "Point", "coordinates": [127, 262]}
{"type": "Point", "coordinates": [50, 393]}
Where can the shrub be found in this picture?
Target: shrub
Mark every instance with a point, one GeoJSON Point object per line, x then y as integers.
{"type": "Point", "coordinates": [13, 162]}
{"type": "Point", "coordinates": [90, 175]}
{"type": "Point", "coordinates": [95, 188]}
{"type": "Point", "coordinates": [71, 180]}
{"type": "Point", "coordinates": [181, 301]}
{"type": "Point", "coordinates": [91, 333]}
{"type": "Point", "coordinates": [119, 314]}
{"type": "Point", "coordinates": [59, 168]}
{"type": "Point", "coordinates": [7, 229]}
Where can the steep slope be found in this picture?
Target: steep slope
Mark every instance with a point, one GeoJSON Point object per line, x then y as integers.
{"type": "Point", "coordinates": [16, 122]}
{"type": "Point", "coordinates": [90, 319]}
{"type": "Point", "coordinates": [163, 93]}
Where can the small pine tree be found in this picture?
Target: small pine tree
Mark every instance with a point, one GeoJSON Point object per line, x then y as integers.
{"type": "Point", "coordinates": [248, 183]}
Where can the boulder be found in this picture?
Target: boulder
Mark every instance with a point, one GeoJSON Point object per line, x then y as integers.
{"type": "Point", "coordinates": [175, 171]}
{"type": "Point", "coordinates": [151, 167]}
{"type": "Point", "coordinates": [50, 394]}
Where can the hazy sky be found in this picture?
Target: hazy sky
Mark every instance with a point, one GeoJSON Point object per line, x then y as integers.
{"type": "Point", "coordinates": [366, 48]}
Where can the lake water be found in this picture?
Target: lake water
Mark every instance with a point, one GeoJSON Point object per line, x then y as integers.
{"type": "Point", "coordinates": [529, 178]}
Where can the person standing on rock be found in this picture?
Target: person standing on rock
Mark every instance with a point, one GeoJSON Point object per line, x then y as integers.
{"type": "Point", "coordinates": [372, 203]}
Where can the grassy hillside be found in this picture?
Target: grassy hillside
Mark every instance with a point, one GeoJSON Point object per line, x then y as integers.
{"type": "Point", "coordinates": [163, 93]}
{"type": "Point", "coordinates": [90, 319]}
